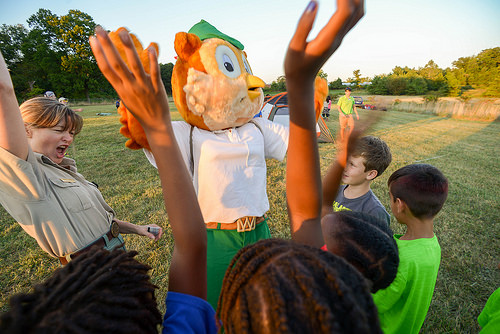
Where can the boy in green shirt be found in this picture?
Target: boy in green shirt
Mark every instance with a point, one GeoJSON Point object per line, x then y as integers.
{"type": "Point", "coordinates": [417, 193]}
{"type": "Point", "coordinates": [346, 106]}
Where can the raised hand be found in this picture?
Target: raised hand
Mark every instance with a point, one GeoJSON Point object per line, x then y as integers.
{"type": "Point", "coordinates": [143, 94]}
{"type": "Point", "coordinates": [12, 131]}
{"type": "Point", "coordinates": [304, 59]}
{"type": "Point", "coordinates": [145, 97]}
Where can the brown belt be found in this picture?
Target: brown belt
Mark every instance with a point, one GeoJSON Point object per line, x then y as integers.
{"type": "Point", "coordinates": [113, 232]}
{"type": "Point", "coordinates": [242, 224]}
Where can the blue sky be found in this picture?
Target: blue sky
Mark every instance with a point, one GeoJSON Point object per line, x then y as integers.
{"type": "Point", "coordinates": [392, 33]}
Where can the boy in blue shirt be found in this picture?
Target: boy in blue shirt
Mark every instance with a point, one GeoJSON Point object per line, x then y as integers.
{"type": "Point", "coordinates": [369, 159]}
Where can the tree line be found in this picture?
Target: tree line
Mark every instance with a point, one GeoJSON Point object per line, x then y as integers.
{"type": "Point", "coordinates": [53, 53]}
{"type": "Point", "coordinates": [480, 73]}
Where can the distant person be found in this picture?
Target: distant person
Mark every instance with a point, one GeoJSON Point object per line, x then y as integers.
{"type": "Point", "coordinates": [346, 107]}
{"type": "Point", "coordinates": [41, 188]}
{"type": "Point", "coordinates": [50, 94]}
{"type": "Point", "coordinates": [327, 105]}
{"type": "Point", "coordinates": [65, 101]}
{"type": "Point", "coordinates": [368, 159]}
{"type": "Point", "coordinates": [417, 194]}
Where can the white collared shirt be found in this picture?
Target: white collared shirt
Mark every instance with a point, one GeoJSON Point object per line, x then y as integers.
{"type": "Point", "coordinates": [230, 167]}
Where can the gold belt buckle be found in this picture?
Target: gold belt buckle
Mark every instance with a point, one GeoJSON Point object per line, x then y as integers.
{"type": "Point", "coordinates": [245, 224]}
{"type": "Point", "coordinates": [115, 229]}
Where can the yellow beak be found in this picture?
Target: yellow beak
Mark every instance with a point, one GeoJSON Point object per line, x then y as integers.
{"type": "Point", "coordinates": [253, 83]}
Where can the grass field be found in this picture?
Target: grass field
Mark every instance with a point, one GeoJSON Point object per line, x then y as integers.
{"type": "Point", "coordinates": [468, 227]}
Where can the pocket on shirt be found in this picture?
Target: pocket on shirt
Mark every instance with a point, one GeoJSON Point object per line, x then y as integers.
{"type": "Point", "coordinates": [74, 196]}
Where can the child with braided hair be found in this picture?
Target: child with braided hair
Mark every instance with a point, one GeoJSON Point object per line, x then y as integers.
{"type": "Point", "coordinates": [278, 286]}
{"type": "Point", "coordinates": [365, 242]}
{"type": "Point", "coordinates": [98, 291]}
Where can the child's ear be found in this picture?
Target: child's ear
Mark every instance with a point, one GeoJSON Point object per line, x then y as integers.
{"type": "Point", "coordinates": [27, 128]}
{"type": "Point", "coordinates": [372, 174]}
{"type": "Point", "coordinates": [401, 206]}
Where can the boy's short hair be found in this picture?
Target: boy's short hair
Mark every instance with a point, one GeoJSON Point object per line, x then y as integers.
{"type": "Point", "coordinates": [376, 153]}
{"type": "Point", "coordinates": [422, 187]}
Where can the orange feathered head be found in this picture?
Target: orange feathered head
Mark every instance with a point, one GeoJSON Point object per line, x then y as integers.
{"type": "Point", "coordinates": [212, 83]}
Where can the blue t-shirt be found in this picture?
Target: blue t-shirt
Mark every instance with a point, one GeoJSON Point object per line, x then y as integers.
{"type": "Point", "coordinates": [368, 203]}
{"type": "Point", "coordinates": [188, 314]}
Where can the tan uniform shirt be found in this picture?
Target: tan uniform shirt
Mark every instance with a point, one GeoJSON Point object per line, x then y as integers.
{"type": "Point", "coordinates": [53, 203]}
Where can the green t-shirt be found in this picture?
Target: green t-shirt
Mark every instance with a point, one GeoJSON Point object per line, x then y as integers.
{"type": "Point", "coordinates": [403, 305]}
{"type": "Point", "coordinates": [489, 319]}
{"type": "Point", "coordinates": [346, 104]}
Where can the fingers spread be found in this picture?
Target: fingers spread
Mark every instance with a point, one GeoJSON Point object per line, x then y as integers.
{"type": "Point", "coordinates": [133, 59]}
{"type": "Point", "coordinates": [348, 13]}
{"type": "Point", "coordinates": [154, 68]}
{"type": "Point", "coordinates": [113, 57]}
{"type": "Point", "coordinates": [299, 39]}
{"type": "Point", "coordinates": [102, 62]}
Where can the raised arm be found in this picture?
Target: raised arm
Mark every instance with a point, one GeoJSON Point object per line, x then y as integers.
{"type": "Point", "coordinates": [145, 97]}
{"type": "Point", "coordinates": [303, 60]}
{"type": "Point", "coordinates": [333, 177]}
{"type": "Point", "coordinates": [12, 132]}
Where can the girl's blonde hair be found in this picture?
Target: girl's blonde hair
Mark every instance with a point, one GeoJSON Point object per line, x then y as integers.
{"type": "Point", "coordinates": [42, 112]}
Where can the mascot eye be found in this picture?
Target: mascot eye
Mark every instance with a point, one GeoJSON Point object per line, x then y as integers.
{"type": "Point", "coordinates": [247, 66]}
{"type": "Point", "coordinates": [228, 64]}
{"type": "Point", "coordinates": [227, 61]}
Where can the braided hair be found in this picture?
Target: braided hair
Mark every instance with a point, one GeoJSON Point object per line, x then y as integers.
{"type": "Point", "coordinates": [279, 286]}
{"type": "Point", "coordinates": [365, 242]}
{"type": "Point", "coordinates": [98, 292]}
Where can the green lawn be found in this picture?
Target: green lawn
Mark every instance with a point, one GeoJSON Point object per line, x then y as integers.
{"type": "Point", "coordinates": [466, 151]}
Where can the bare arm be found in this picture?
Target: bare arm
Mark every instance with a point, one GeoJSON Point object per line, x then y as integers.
{"type": "Point", "coordinates": [145, 97]}
{"type": "Point", "coordinates": [356, 112]}
{"type": "Point", "coordinates": [303, 60]}
{"type": "Point", "coordinates": [127, 228]}
{"type": "Point", "coordinates": [331, 181]}
{"type": "Point", "coordinates": [12, 132]}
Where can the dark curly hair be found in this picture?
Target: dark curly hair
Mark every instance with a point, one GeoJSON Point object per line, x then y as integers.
{"type": "Point", "coordinates": [98, 292]}
{"type": "Point", "coordinates": [365, 242]}
{"type": "Point", "coordinates": [278, 286]}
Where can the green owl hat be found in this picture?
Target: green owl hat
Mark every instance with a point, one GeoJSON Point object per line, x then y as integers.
{"type": "Point", "coordinates": [205, 30]}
